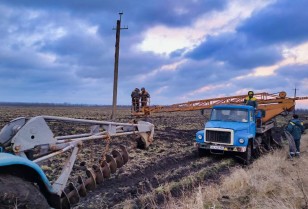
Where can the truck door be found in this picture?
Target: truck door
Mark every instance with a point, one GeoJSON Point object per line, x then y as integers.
{"type": "Point", "coordinates": [252, 123]}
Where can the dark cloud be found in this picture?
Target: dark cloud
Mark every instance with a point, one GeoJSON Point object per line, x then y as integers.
{"type": "Point", "coordinates": [236, 50]}
{"type": "Point", "coordinates": [83, 48]}
{"type": "Point", "coordinates": [178, 53]}
{"type": "Point", "coordinates": [252, 44]}
{"type": "Point", "coordinates": [166, 12]}
{"type": "Point", "coordinates": [282, 22]}
{"type": "Point", "coordinates": [284, 79]}
{"type": "Point", "coordinates": [171, 14]}
{"type": "Point", "coordinates": [191, 76]}
{"type": "Point", "coordinates": [295, 73]}
{"type": "Point", "coordinates": [258, 83]}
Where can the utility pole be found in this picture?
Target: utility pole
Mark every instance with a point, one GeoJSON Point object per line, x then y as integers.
{"type": "Point", "coordinates": [294, 98]}
{"type": "Point", "coordinates": [116, 67]}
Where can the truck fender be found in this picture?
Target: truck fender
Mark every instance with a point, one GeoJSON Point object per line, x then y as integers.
{"type": "Point", "coordinates": [28, 170]}
{"type": "Point", "coordinates": [252, 141]}
{"type": "Point", "coordinates": [257, 142]}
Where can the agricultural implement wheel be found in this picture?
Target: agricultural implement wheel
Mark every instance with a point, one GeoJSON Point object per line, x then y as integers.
{"type": "Point", "coordinates": [18, 193]}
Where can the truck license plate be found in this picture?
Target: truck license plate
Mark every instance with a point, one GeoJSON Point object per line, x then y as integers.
{"type": "Point", "coordinates": [216, 147]}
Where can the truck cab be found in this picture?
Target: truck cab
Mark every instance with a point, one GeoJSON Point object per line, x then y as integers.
{"type": "Point", "coordinates": [231, 128]}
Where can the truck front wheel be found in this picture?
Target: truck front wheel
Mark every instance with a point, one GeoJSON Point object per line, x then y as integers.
{"type": "Point", "coordinates": [202, 152]}
{"type": "Point", "coordinates": [246, 157]}
{"type": "Point", "coordinates": [18, 193]}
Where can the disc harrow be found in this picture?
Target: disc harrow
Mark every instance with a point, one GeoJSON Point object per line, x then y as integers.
{"type": "Point", "coordinates": [33, 140]}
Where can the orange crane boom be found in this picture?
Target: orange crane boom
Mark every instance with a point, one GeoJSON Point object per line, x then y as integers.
{"type": "Point", "coordinates": [272, 103]}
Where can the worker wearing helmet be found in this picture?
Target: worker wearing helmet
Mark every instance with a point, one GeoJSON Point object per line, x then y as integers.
{"type": "Point", "coordinates": [135, 99]}
{"type": "Point", "coordinates": [144, 97]}
{"type": "Point", "coordinates": [296, 128]}
{"type": "Point", "coordinates": [251, 100]}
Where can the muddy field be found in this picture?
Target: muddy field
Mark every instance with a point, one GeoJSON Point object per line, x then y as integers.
{"type": "Point", "coordinates": [168, 168]}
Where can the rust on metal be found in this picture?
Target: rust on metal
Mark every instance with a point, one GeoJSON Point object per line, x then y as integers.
{"type": "Point", "coordinates": [95, 175]}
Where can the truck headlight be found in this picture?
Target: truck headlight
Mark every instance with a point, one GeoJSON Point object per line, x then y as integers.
{"type": "Point", "coordinates": [241, 141]}
{"type": "Point", "coordinates": [200, 137]}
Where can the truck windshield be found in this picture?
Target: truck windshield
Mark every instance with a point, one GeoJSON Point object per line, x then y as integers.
{"type": "Point", "coordinates": [235, 115]}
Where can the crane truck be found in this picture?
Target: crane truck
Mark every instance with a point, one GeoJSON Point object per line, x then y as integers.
{"type": "Point", "coordinates": [234, 127]}
{"type": "Point", "coordinates": [242, 129]}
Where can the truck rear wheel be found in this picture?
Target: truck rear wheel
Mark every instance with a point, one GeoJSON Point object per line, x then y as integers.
{"type": "Point", "coordinates": [18, 193]}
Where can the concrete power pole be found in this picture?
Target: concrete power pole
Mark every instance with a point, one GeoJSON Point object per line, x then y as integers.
{"type": "Point", "coordinates": [116, 67]}
{"type": "Point", "coordinates": [294, 98]}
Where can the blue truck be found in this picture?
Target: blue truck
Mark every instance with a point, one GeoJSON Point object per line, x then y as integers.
{"type": "Point", "coordinates": [238, 129]}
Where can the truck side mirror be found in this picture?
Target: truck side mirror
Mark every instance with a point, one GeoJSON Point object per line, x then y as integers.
{"type": "Point", "coordinates": [260, 114]}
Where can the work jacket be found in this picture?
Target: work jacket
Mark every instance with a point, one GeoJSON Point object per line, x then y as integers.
{"type": "Point", "coordinates": [295, 128]}
{"type": "Point", "coordinates": [144, 95]}
{"type": "Point", "coordinates": [251, 101]}
{"type": "Point", "coordinates": [135, 95]}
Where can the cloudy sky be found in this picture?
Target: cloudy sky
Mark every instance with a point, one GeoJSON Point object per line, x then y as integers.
{"type": "Point", "coordinates": [63, 50]}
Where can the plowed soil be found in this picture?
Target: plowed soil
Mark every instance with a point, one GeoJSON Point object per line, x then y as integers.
{"type": "Point", "coordinates": [169, 167]}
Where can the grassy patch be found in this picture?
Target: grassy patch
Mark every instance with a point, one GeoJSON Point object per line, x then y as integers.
{"type": "Point", "coordinates": [272, 181]}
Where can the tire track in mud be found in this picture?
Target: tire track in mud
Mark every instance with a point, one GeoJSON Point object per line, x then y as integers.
{"type": "Point", "coordinates": [128, 185]}
{"type": "Point", "coordinates": [157, 197]}
{"type": "Point", "coordinates": [170, 159]}
{"type": "Point", "coordinates": [125, 187]}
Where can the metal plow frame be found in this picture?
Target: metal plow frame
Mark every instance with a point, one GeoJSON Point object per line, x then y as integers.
{"type": "Point", "coordinates": [25, 135]}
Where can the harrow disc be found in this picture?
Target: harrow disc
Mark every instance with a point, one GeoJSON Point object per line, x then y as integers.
{"type": "Point", "coordinates": [98, 174]}
{"type": "Point", "coordinates": [81, 188]}
{"type": "Point", "coordinates": [105, 169]}
{"type": "Point", "coordinates": [90, 182]}
{"type": "Point", "coordinates": [124, 154]}
{"type": "Point", "coordinates": [65, 203]}
{"type": "Point", "coordinates": [73, 195]}
{"type": "Point", "coordinates": [118, 158]}
{"type": "Point", "coordinates": [112, 163]}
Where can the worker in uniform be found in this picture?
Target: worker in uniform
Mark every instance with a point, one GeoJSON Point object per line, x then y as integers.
{"type": "Point", "coordinates": [135, 99]}
{"type": "Point", "coordinates": [144, 97]}
{"type": "Point", "coordinates": [251, 100]}
{"type": "Point", "coordinates": [296, 128]}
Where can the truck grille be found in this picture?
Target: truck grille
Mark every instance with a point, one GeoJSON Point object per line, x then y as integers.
{"type": "Point", "coordinates": [218, 136]}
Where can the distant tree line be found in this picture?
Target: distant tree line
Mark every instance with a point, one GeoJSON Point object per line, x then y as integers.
{"type": "Point", "coordinates": [38, 104]}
